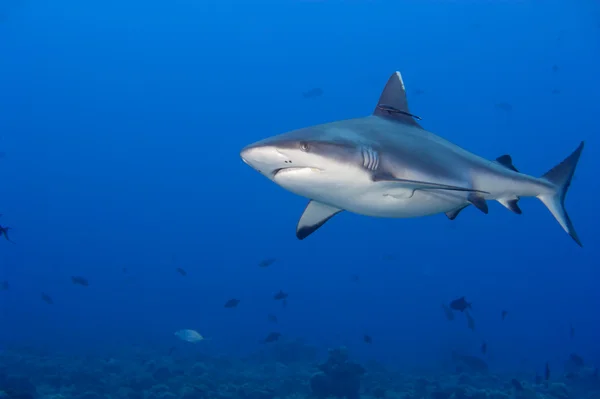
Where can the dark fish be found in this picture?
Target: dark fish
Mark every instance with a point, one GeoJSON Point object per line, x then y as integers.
{"type": "Point", "coordinates": [4, 285]}
{"type": "Point", "coordinates": [4, 232]}
{"type": "Point", "coordinates": [555, 91]}
{"type": "Point", "coordinates": [266, 262]}
{"type": "Point", "coordinates": [473, 363]}
{"type": "Point", "coordinates": [448, 312]}
{"type": "Point", "coordinates": [354, 278]}
{"type": "Point", "coordinates": [595, 375]}
{"type": "Point", "coordinates": [389, 257]}
{"type": "Point", "coordinates": [46, 298]}
{"type": "Point", "coordinates": [470, 322]}
{"type": "Point", "coordinates": [280, 295]}
{"type": "Point", "coordinates": [284, 303]}
{"type": "Point", "coordinates": [367, 339]}
{"type": "Point", "coordinates": [576, 360]}
{"type": "Point", "coordinates": [504, 313]}
{"type": "Point", "coordinates": [272, 318]}
{"type": "Point", "coordinates": [418, 92]}
{"type": "Point", "coordinates": [517, 385]}
{"type": "Point", "coordinates": [232, 303]}
{"type": "Point", "coordinates": [572, 332]}
{"type": "Point", "coordinates": [555, 68]}
{"type": "Point", "coordinates": [547, 372]}
{"type": "Point", "coordinates": [460, 304]}
{"type": "Point", "coordinates": [484, 348]}
{"type": "Point", "coordinates": [181, 271]}
{"type": "Point", "coordinates": [504, 106]}
{"type": "Point", "coordinates": [272, 337]}
{"type": "Point", "coordinates": [312, 93]}
{"type": "Point", "coordinates": [78, 280]}
{"type": "Point", "coordinates": [124, 270]}
{"type": "Point", "coordinates": [170, 351]}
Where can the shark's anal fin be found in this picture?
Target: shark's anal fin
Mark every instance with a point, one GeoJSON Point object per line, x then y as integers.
{"type": "Point", "coordinates": [506, 161]}
{"type": "Point", "coordinates": [454, 213]}
{"type": "Point", "coordinates": [420, 185]}
{"type": "Point", "coordinates": [315, 215]}
{"type": "Point", "coordinates": [393, 103]}
{"type": "Point", "coordinates": [512, 204]}
{"type": "Point", "coordinates": [478, 201]}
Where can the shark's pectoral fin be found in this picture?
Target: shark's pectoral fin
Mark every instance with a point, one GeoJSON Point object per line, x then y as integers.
{"type": "Point", "coordinates": [315, 215]}
{"type": "Point", "coordinates": [414, 185]}
{"type": "Point", "coordinates": [454, 213]}
{"type": "Point", "coordinates": [506, 161]}
{"type": "Point", "coordinates": [512, 204]}
{"type": "Point", "coordinates": [393, 103]}
{"type": "Point", "coordinates": [478, 201]}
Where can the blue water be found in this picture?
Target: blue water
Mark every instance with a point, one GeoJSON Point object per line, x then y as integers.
{"type": "Point", "coordinates": [120, 129]}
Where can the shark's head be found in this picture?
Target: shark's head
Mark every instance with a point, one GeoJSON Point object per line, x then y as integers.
{"type": "Point", "coordinates": [305, 159]}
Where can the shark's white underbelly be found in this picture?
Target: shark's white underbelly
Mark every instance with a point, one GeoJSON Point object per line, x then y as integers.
{"type": "Point", "coordinates": [362, 196]}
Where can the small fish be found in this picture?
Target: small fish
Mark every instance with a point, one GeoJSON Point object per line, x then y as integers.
{"type": "Point", "coordinates": [484, 348]}
{"type": "Point", "coordinates": [517, 385]}
{"type": "Point", "coordinates": [78, 280]}
{"type": "Point", "coordinates": [470, 321]}
{"type": "Point", "coordinates": [272, 318]}
{"type": "Point", "coordinates": [171, 350]}
{"type": "Point", "coordinates": [4, 232]}
{"type": "Point", "coordinates": [460, 304]}
{"type": "Point", "coordinates": [504, 106]}
{"type": "Point", "coordinates": [576, 360]}
{"type": "Point", "coordinates": [192, 336]}
{"type": "Point", "coordinates": [284, 303]}
{"type": "Point", "coordinates": [266, 262]}
{"type": "Point", "coordinates": [46, 298]}
{"type": "Point", "coordinates": [572, 332]}
{"type": "Point", "coordinates": [124, 270]}
{"type": "Point", "coordinates": [232, 303]}
{"type": "Point", "coordinates": [389, 257]}
{"type": "Point", "coordinates": [272, 337]}
{"type": "Point", "coordinates": [280, 295]}
{"type": "Point", "coordinates": [4, 285]}
{"type": "Point", "coordinates": [555, 68]}
{"type": "Point", "coordinates": [448, 312]}
{"type": "Point", "coordinates": [312, 93]}
{"type": "Point", "coordinates": [367, 339]}
{"type": "Point", "coordinates": [555, 91]}
{"type": "Point", "coordinates": [504, 313]}
{"type": "Point", "coordinates": [354, 278]}
{"type": "Point", "coordinates": [181, 271]}
{"type": "Point", "coordinates": [547, 372]}
{"type": "Point", "coordinates": [419, 92]}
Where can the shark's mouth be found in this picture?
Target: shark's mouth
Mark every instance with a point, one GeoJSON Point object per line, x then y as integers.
{"type": "Point", "coordinates": [282, 171]}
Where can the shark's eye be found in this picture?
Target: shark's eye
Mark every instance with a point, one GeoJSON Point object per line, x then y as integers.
{"type": "Point", "coordinates": [304, 147]}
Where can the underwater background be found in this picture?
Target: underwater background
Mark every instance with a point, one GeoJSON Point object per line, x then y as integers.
{"type": "Point", "coordinates": [132, 216]}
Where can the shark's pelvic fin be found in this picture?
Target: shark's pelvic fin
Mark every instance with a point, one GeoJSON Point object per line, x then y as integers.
{"type": "Point", "coordinates": [506, 161]}
{"type": "Point", "coordinates": [419, 185]}
{"type": "Point", "coordinates": [315, 215]}
{"type": "Point", "coordinates": [478, 201]}
{"type": "Point", "coordinates": [560, 176]}
{"type": "Point", "coordinates": [454, 213]}
{"type": "Point", "coordinates": [512, 204]}
{"type": "Point", "coordinates": [393, 102]}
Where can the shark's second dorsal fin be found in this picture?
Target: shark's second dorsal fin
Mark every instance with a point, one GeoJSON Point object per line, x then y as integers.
{"type": "Point", "coordinates": [393, 103]}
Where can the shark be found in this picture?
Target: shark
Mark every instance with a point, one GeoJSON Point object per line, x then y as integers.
{"type": "Point", "coordinates": [387, 165]}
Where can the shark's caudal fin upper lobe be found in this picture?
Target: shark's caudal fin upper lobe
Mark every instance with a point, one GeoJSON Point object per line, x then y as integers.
{"type": "Point", "coordinates": [561, 176]}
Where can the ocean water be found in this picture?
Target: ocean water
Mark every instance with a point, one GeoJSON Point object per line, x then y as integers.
{"type": "Point", "coordinates": [121, 124]}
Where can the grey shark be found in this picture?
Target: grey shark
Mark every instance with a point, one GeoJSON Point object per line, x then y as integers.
{"type": "Point", "coordinates": [387, 165]}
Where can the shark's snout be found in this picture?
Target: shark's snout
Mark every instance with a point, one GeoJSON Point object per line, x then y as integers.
{"type": "Point", "coordinates": [266, 159]}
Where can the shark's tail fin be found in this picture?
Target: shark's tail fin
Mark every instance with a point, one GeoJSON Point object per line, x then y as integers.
{"type": "Point", "coordinates": [560, 176]}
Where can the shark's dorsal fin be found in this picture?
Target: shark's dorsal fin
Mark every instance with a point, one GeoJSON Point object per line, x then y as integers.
{"type": "Point", "coordinates": [315, 215]}
{"type": "Point", "coordinates": [506, 161]}
{"type": "Point", "coordinates": [393, 103]}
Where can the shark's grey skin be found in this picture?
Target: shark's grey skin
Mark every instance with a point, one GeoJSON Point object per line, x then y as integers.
{"type": "Point", "coordinates": [387, 165]}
